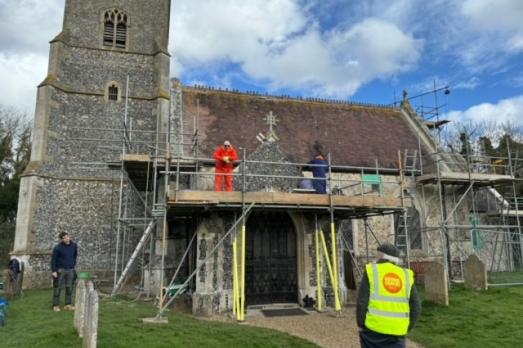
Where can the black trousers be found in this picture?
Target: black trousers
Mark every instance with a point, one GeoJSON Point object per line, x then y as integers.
{"type": "Point", "coordinates": [371, 339]}
{"type": "Point", "coordinates": [65, 278]}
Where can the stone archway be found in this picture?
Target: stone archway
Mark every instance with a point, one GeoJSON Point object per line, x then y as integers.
{"type": "Point", "coordinates": [271, 262]}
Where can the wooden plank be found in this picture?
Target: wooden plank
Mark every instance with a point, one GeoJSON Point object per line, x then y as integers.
{"type": "Point", "coordinates": [135, 158]}
{"type": "Point", "coordinates": [206, 196]}
{"type": "Point", "coordinates": [282, 198]}
{"type": "Point", "coordinates": [507, 213]}
{"type": "Point", "coordinates": [450, 177]}
{"type": "Point", "coordinates": [140, 158]}
{"type": "Point", "coordinates": [300, 198]}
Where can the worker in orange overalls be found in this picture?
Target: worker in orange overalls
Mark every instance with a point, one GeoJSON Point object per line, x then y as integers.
{"type": "Point", "coordinates": [225, 155]}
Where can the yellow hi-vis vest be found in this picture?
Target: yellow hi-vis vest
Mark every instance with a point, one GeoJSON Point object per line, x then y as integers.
{"type": "Point", "coordinates": [388, 310]}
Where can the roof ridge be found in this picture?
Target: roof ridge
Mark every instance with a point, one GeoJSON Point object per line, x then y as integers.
{"type": "Point", "coordinates": [288, 97]}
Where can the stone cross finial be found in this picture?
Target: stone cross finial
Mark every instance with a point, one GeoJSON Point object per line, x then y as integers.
{"type": "Point", "coordinates": [271, 120]}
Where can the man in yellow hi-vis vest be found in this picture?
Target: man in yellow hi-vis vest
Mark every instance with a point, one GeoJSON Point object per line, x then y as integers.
{"type": "Point", "coordinates": [388, 303]}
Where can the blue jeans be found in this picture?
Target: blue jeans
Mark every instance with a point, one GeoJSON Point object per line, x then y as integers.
{"type": "Point", "coordinates": [66, 277]}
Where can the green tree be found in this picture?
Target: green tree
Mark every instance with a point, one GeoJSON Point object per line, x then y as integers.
{"type": "Point", "coordinates": [465, 144]}
{"type": "Point", "coordinates": [15, 151]}
{"type": "Point", "coordinates": [486, 146]}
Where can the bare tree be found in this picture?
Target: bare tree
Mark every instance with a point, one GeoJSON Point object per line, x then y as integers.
{"type": "Point", "coordinates": [480, 135]}
{"type": "Point", "coordinates": [15, 151]}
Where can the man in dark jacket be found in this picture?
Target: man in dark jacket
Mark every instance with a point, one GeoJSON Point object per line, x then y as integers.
{"type": "Point", "coordinates": [388, 303]}
{"type": "Point", "coordinates": [318, 166]}
{"type": "Point", "coordinates": [63, 263]}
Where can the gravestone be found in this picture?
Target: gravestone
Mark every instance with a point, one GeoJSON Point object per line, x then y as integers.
{"type": "Point", "coordinates": [436, 283]}
{"type": "Point", "coordinates": [202, 305]}
{"type": "Point", "coordinates": [80, 302]}
{"type": "Point", "coordinates": [91, 317]}
{"type": "Point", "coordinates": [8, 284]}
{"type": "Point", "coordinates": [12, 283]}
{"type": "Point", "coordinates": [475, 273]}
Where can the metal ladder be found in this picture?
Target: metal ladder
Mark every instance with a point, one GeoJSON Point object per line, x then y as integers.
{"type": "Point", "coordinates": [346, 245]}
{"type": "Point", "coordinates": [134, 256]}
{"type": "Point", "coordinates": [401, 237]}
{"type": "Point", "coordinates": [410, 162]}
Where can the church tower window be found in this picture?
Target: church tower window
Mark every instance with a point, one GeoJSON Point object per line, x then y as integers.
{"type": "Point", "coordinates": [112, 92]}
{"type": "Point", "coordinates": [115, 29]}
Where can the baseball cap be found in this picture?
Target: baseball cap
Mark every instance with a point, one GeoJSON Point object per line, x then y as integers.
{"type": "Point", "coordinates": [389, 249]}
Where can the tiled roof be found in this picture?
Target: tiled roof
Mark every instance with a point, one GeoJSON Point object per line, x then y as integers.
{"type": "Point", "coordinates": [355, 135]}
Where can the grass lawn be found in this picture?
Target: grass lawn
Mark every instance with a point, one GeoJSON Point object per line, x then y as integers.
{"type": "Point", "coordinates": [473, 319]}
{"type": "Point", "coordinates": [31, 323]}
{"type": "Point", "coordinates": [505, 277]}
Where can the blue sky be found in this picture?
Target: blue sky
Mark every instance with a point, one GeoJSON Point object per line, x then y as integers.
{"type": "Point", "coordinates": [366, 51]}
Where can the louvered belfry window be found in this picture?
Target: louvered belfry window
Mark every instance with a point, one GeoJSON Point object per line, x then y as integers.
{"type": "Point", "coordinates": [115, 29]}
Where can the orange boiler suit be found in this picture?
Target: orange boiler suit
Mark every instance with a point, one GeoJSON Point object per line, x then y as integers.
{"type": "Point", "coordinates": [224, 165]}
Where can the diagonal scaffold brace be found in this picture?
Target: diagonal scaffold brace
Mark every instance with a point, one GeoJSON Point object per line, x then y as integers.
{"type": "Point", "coordinates": [159, 316]}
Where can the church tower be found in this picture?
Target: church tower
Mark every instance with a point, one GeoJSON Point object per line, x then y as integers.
{"type": "Point", "coordinates": [109, 65]}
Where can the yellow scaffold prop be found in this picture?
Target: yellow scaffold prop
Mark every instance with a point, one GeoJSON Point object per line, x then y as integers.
{"type": "Point", "coordinates": [238, 305]}
{"type": "Point", "coordinates": [319, 286]}
{"type": "Point", "coordinates": [331, 267]}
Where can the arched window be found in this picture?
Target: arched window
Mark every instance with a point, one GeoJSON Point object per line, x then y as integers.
{"type": "Point", "coordinates": [115, 29]}
{"type": "Point", "coordinates": [112, 92]}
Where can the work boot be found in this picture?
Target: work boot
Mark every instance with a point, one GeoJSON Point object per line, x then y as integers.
{"type": "Point", "coordinates": [56, 308]}
{"type": "Point", "coordinates": [69, 307]}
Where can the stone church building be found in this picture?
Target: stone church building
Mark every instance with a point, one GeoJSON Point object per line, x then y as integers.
{"type": "Point", "coordinates": [122, 160]}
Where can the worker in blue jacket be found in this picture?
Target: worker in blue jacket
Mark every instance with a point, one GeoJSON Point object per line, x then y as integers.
{"type": "Point", "coordinates": [319, 170]}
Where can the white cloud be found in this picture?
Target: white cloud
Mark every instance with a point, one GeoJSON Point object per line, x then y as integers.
{"type": "Point", "coordinates": [21, 73]}
{"type": "Point", "coordinates": [490, 15]}
{"type": "Point", "coordinates": [480, 35]}
{"type": "Point", "coordinates": [278, 42]}
{"type": "Point", "coordinates": [26, 27]}
{"type": "Point", "coordinates": [202, 31]}
{"type": "Point", "coordinates": [379, 47]}
{"type": "Point", "coordinates": [498, 21]}
{"type": "Point", "coordinates": [29, 25]}
{"type": "Point", "coordinates": [471, 83]}
{"type": "Point", "coordinates": [506, 110]}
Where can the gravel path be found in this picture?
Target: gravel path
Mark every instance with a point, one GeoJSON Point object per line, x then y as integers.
{"type": "Point", "coordinates": [324, 329]}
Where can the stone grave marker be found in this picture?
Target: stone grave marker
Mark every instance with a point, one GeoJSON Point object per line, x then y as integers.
{"type": "Point", "coordinates": [80, 302]}
{"type": "Point", "coordinates": [475, 273]}
{"type": "Point", "coordinates": [436, 283]}
{"type": "Point", "coordinates": [91, 317]}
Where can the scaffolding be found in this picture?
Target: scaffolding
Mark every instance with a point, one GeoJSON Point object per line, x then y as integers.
{"type": "Point", "coordinates": [480, 212]}
{"type": "Point", "coordinates": [158, 169]}
{"type": "Point", "coordinates": [477, 206]}
{"type": "Point", "coordinates": [167, 173]}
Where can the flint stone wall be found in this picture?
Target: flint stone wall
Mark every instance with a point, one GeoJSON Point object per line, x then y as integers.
{"type": "Point", "coordinates": [83, 23]}
{"type": "Point", "coordinates": [88, 210]}
{"type": "Point", "coordinates": [214, 279]}
{"type": "Point", "coordinates": [85, 132]}
{"type": "Point", "coordinates": [269, 152]}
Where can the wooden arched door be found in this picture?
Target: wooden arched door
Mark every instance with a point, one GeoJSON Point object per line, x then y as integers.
{"type": "Point", "coordinates": [271, 266]}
